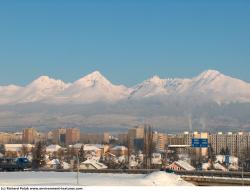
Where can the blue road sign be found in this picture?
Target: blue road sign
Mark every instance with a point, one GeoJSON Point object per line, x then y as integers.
{"type": "Point", "coordinates": [195, 143]}
{"type": "Point", "coordinates": [199, 143]}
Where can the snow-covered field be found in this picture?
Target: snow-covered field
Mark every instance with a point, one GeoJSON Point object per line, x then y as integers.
{"type": "Point", "coordinates": [88, 179]}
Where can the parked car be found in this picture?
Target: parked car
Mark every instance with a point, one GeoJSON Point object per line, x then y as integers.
{"type": "Point", "coordinates": [14, 164]}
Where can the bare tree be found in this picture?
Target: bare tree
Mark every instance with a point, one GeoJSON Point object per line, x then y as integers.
{"type": "Point", "coordinates": [148, 146]}
{"type": "Point", "coordinates": [129, 151]}
{"type": "Point", "coordinates": [60, 154]}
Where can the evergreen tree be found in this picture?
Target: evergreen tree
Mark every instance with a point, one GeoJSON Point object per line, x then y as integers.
{"type": "Point", "coordinates": [227, 151]}
{"type": "Point", "coordinates": [222, 151]}
{"type": "Point", "coordinates": [2, 149]}
{"type": "Point", "coordinates": [81, 154]}
{"type": "Point", "coordinates": [38, 155]}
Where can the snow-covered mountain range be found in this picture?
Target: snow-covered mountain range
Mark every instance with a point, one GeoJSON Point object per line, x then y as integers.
{"type": "Point", "coordinates": [209, 85]}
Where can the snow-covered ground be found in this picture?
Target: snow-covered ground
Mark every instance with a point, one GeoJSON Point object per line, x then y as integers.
{"type": "Point", "coordinates": [89, 179]}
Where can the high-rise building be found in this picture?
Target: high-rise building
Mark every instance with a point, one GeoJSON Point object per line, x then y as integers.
{"type": "Point", "coordinates": [177, 139]}
{"type": "Point", "coordinates": [95, 138]}
{"type": "Point", "coordinates": [231, 142]}
{"type": "Point", "coordinates": [187, 138]}
{"type": "Point", "coordinates": [5, 138]}
{"type": "Point", "coordinates": [72, 136]}
{"type": "Point", "coordinates": [235, 143]}
{"type": "Point", "coordinates": [123, 138]}
{"type": "Point", "coordinates": [17, 137]}
{"type": "Point", "coordinates": [135, 138]}
{"type": "Point", "coordinates": [159, 141]}
{"type": "Point", "coordinates": [59, 136]}
{"type": "Point", "coordinates": [29, 136]}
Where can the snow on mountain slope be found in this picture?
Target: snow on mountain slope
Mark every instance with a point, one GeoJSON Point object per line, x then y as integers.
{"type": "Point", "coordinates": [94, 87]}
{"type": "Point", "coordinates": [7, 92]}
{"type": "Point", "coordinates": [40, 89]}
{"type": "Point", "coordinates": [220, 87]}
{"type": "Point", "coordinates": [91, 88]}
{"type": "Point", "coordinates": [211, 84]}
{"type": "Point", "coordinates": [151, 87]}
{"type": "Point", "coordinates": [156, 86]}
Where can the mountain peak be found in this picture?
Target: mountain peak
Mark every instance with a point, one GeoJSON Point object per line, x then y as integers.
{"type": "Point", "coordinates": [42, 79]}
{"type": "Point", "coordinates": [210, 73]}
{"type": "Point", "coordinates": [156, 79]}
{"type": "Point", "coordinates": [46, 81]}
{"type": "Point", "coordinates": [92, 78]}
{"type": "Point", "coordinates": [95, 75]}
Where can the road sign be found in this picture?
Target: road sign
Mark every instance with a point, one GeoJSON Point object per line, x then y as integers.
{"type": "Point", "coordinates": [199, 143]}
{"type": "Point", "coordinates": [204, 142]}
{"type": "Point", "coordinates": [195, 142]}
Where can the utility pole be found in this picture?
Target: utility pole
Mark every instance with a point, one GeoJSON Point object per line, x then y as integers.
{"type": "Point", "coordinates": [129, 150]}
{"type": "Point", "coordinates": [242, 163]}
{"type": "Point", "coordinates": [77, 174]}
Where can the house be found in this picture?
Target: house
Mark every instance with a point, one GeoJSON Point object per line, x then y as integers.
{"type": "Point", "coordinates": [89, 149]}
{"type": "Point", "coordinates": [104, 148]}
{"type": "Point", "coordinates": [180, 165]}
{"type": "Point", "coordinates": [227, 159]}
{"type": "Point", "coordinates": [119, 150]}
{"type": "Point", "coordinates": [206, 166]}
{"type": "Point", "coordinates": [233, 167]}
{"type": "Point", "coordinates": [54, 164]}
{"type": "Point", "coordinates": [233, 160]}
{"type": "Point", "coordinates": [65, 165]}
{"type": "Point", "coordinates": [53, 148]}
{"type": "Point", "coordinates": [17, 147]}
{"type": "Point", "coordinates": [110, 157]}
{"type": "Point", "coordinates": [92, 164]}
{"type": "Point", "coordinates": [92, 149]}
{"type": "Point", "coordinates": [156, 159]}
{"type": "Point", "coordinates": [218, 166]}
{"type": "Point", "coordinates": [133, 162]}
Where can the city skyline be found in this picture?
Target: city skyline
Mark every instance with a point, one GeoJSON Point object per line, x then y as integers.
{"type": "Point", "coordinates": [167, 38]}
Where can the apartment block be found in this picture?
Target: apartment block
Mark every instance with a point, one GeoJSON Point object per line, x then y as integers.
{"type": "Point", "coordinates": [236, 143]}
{"type": "Point", "coordinates": [29, 136]}
{"type": "Point", "coordinates": [72, 136]}
{"type": "Point", "coordinates": [59, 136]}
{"type": "Point", "coordinates": [159, 141]}
{"type": "Point", "coordinates": [95, 138]}
{"type": "Point", "coordinates": [122, 138]}
{"type": "Point", "coordinates": [136, 138]}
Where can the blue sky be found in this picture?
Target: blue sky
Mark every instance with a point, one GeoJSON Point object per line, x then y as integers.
{"type": "Point", "coordinates": [127, 41]}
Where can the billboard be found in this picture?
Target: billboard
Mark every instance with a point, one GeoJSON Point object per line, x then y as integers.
{"type": "Point", "coordinates": [199, 143]}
